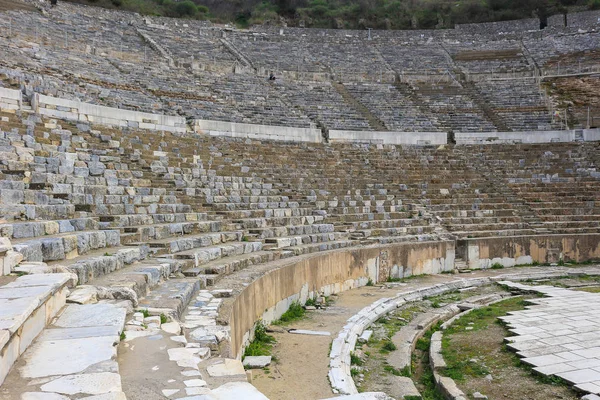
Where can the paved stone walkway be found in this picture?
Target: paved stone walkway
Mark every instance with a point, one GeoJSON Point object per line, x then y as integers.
{"type": "Point", "coordinates": [559, 334]}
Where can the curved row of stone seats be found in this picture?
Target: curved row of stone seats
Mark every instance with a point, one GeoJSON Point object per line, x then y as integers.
{"type": "Point", "coordinates": [398, 112]}
{"type": "Point", "coordinates": [552, 53]}
{"type": "Point", "coordinates": [321, 102]}
{"type": "Point", "coordinates": [520, 104]}
{"type": "Point", "coordinates": [454, 108]}
{"type": "Point", "coordinates": [422, 59]}
{"type": "Point", "coordinates": [190, 43]}
{"type": "Point", "coordinates": [498, 56]}
{"type": "Point", "coordinates": [287, 53]}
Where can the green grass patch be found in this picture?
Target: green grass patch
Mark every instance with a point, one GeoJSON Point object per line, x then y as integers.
{"type": "Point", "coordinates": [262, 343]}
{"type": "Point", "coordinates": [463, 363]}
{"type": "Point", "coordinates": [398, 372]}
{"type": "Point", "coordinates": [355, 360]}
{"type": "Point", "coordinates": [163, 319]}
{"type": "Point", "coordinates": [145, 312]}
{"type": "Point", "coordinates": [497, 266]}
{"type": "Point", "coordinates": [294, 313]}
{"type": "Point", "coordinates": [387, 346]}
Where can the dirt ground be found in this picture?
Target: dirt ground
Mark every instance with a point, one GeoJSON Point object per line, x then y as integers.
{"type": "Point", "coordinates": [300, 372]}
{"type": "Point", "coordinates": [7, 5]}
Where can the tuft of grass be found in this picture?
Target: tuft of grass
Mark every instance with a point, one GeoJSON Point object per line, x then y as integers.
{"type": "Point", "coordinates": [355, 360]}
{"type": "Point", "coordinates": [262, 343]}
{"type": "Point", "coordinates": [354, 372]}
{"type": "Point", "coordinates": [311, 302]}
{"type": "Point", "coordinates": [294, 313]}
{"type": "Point", "coordinates": [163, 319]}
{"type": "Point", "coordinates": [122, 336]}
{"type": "Point", "coordinates": [497, 266]}
{"type": "Point", "coordinates": [388, 346]}
{"type": "Point", "coordinates": [370, 282]}
{"type": "Point", "coordinates": [398, 372]}
{"type": "Point", "coordinates": [144, 311]}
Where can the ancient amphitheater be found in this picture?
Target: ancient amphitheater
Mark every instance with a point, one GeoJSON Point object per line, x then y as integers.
{"type": "Point", "coordinates": [161, 199]}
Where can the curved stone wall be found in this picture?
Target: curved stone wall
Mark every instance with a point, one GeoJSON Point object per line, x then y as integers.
{"type": "Point", "coordinates": [269, 296]}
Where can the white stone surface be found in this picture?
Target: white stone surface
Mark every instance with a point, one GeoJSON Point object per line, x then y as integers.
{"type": "Point", "coordinates": [307, 332]}
{"type": "Point", "coordinates": [77, 316]}
{"type": "Point", "coordinates": [257, 361]}
{"type": "Point", "coordinates": [226, 367]}
{"type": "Point", "coordinates": [169, 392]}
{"type": "Point", "coordinates": [559, 334]}
{"type": "Point", "coordinates": [57, 357]}
{"type": "Point", "coordinates": [171, 327]}
{"type": "Point", "coordinates": [42, 396]}
{"type": "Point", "coordinates": [99, 383]}
{"type": "Point", "coordinates": [364, 396]}
{"type": "Point", "coordinates": [238, 391]}
{"type": "Point", "coordinates": [195, 383]}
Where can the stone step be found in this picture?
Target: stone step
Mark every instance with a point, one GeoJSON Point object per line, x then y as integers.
{"type": "Point", "coordinates": [28, 304]}
{"type": "Point", "coordinates": [172, 296]}
{"type": "Point", "coordinates": [91, 331]}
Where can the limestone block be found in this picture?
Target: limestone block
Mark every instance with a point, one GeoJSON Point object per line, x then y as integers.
{"type": "Point", "coordinates": [95, 383]}
{"type": "Point", "coordinates": [226, 367]}
{"type": "Point", "coordinates": [257, 361]}
{"type": "Point", "coordinates": [8, 355]}
{"type": "Point", "coordinates": [31, 328]}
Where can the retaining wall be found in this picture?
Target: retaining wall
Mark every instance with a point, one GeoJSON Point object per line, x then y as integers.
{"type": "Point", "coordinates": [481, 253]}
{"type": "Point", "coordinates": [269, 296]}
{"type": "Point", "coordinates": [10, 100]}
{"type": "Point", "coordinates": [410, 138]}
{"type": "Point", "coordinates": [78, 111]}
{"type": "Point", "coordinates": [258, 132]}
{"type": "Point", "coordinates": [524, 137]}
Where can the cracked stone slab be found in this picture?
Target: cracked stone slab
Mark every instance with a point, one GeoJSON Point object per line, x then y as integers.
{"type": "Point", "coordinates": [78, 316]}
{"type": "Point", "coordinates": [99, 383]}
{"type": "Point", "coordinates": [48, 358]}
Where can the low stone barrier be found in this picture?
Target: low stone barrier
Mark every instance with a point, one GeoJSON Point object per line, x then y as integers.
{"type": "Point", "coordinates": [258, 132]}
{"type": "Point", "coordinates": [408, 138]}
{"type": "Point", "coordinates": [340, 364]}
{"type": "Point", "coordinates": [269, 296]}
{"type": "Point", "coordinates": [526, 137]}
{"type": "Point", "coordinates": [10, 100]}
{"type": "Point", "coordinates": [508, 251]}
{"type": "Point", "coordinates": [78, 111]}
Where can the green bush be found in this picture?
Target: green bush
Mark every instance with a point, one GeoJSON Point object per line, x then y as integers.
{"type": "Point", "coordinates": [186, 9]}
{"type": "Point", "coordinates": [594, 5]}
{"type": "Point", "coordinates": [497, 266]}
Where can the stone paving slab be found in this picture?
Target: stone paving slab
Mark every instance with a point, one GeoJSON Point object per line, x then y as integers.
{"type": "Point", "coordinates": [76, 356]}
{"type": "Point", "coordinates": [559, 334]}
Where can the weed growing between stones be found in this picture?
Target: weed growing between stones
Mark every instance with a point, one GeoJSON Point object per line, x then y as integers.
{"type": "Point", "coordinates": [294, 313]}
{"type": "Point", "coordinates": [422, 373]}
{"type": "Point", "coordinates": [262, 343]}
{"type": "Point", "coordinates": [355, 360]}
{"type": "Point", "coordinates": [122, 336]}
{"type": "Point", "coordinates": [370, 282]}
{"type": "Point", "coordinates": [497, 266]}
{"type": "Point", "coordinates": [163, 319]}
{"type": "Point", "coordinates": [145, 312]}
